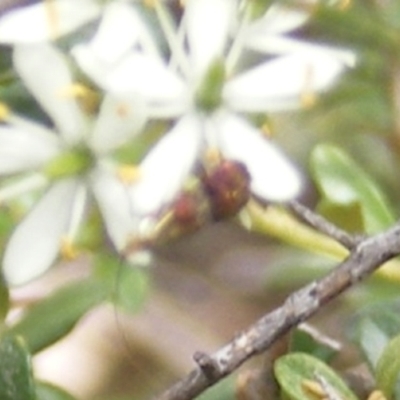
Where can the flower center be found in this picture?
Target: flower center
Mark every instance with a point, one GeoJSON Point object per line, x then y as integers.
{"type": "Point", "coordinates": [72, 162]}
{"type": "Point", "coordinates": [209, 93]}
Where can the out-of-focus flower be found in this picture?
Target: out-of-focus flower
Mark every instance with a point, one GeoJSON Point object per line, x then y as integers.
{"type": "Point", "coordinates": [73, 163]}
{"type": "Point", "coordinates": [203, 88]}
{"type": "Point", "coordinates": [30, 22]}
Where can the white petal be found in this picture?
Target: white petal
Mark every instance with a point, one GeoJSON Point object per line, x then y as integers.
{"type": "Point", "coordinates": [282, 83]}
{"type": "Point", "coordinates": [119, 120]}
{"type": "Point", "coordinates": [120, 29]}
{"type": "Point", "coordinates": [23, 150]}
{"type": "Point", "coordinates": [35, 243]}
{"type": "Point", "coordinates": [147, 76]}
{"type": "Point", "coordinates": [46, 20]}
{"type": "Point", "coordinates": [164, 92]}
{"type": "Point", "coordinates": [207, 24]}
{"type": "Point", "coordinates": [279, 18]}
{"type": "Point", "coordinates": [25, 185]}
{"type": "Point", "coordinates": [273, 177]}
{"type": "Point", "coordinates": [114, 202]}
{"type": "Point", "coordinates": [166, 166]}
{"type": "Point", "coordinates": [45, 73]}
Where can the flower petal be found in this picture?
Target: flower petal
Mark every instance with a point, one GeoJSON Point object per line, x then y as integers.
{"type": "Point", "coordinates": [282, 83]}
{"type": "Point", "coordinates": [278, 19]}
{"type": "Point", "coordinates": [25, 149]}
{"type": "Point", "coordinates": [120, 29]}
{"type": "Point", "coordinates": [45, 73]}
{"type": "Point", "coordinates": [118, 121]}
{"type": "Point", "coordinates": [273, 176]}
{"type": "Point", "coordinates": [137, 74]}
{"type": "Point", "coordinates": [35, 243]}
{"type": "Point", "coordinates": [166, 166]}
{"type": "Point", "coordinates": [27, 184]}
{"type": "Point", "coordinates": [113, 199]}
{"type": "Point", "coordinates": [207, 25]}
{"type": "Point", "coordinates": [46, 20]}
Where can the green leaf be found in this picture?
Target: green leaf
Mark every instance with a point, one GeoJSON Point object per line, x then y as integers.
{"type": "Point", "coordinates": [294, 369]}
{"type": "Point", "coordinates": [346, 216]}
{"type": "Point", "coordinates": [128, 285]}
{"type": "Point", "coordinates": [342, 181]}
{"type": "Point", "coordinates": [16, 380]}
{"type": "Point", "coordinates": [373, 327]}
{"type": "Point", "coordinates": [54, 317]}
{"type": "Point", "coordinates": [46, 391]}
{"type": "Point", "coordinates": [388, 368]}
{"type": "Point", "coordinates": [4, 299]}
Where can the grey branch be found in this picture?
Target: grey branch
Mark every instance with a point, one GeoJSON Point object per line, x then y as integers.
{"type": "Point", "coordinates": [365, 257]}
{"type": "Point", "coordinates": [321, 224]}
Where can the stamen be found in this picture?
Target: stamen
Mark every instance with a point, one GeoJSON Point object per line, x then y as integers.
{"type": "Point", "coordinates": [128, 173]}
{"type": "Point", "coordinates": [308, 97]}
{"type": "Point", "coordinates": [52, 18]}
{"type": "Point", "coordinates": [4, 111]}
{"type": "Point", "coordinates": [344, 4]}
{"type": "Point", "coordinates": [75, 90]}
{"type": "Point", "coordinates": [313, 388]}
{"type": "Point", "coordinates": [377, 395]}
{"type": "Point", "coordinates": [212, 157]}
{"type": "Point", "coordinates": [67, 250]}
{"type": "Point", "coordinates": [150, 3]}
{"type": "Point", "coordinates": [266, 129]}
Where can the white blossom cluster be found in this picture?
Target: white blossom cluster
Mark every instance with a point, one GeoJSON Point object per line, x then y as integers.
{"type": "Point", "coordinates": [204, 73]}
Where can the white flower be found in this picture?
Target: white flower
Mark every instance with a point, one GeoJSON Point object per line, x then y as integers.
{"type": "Point", "coordinates": [202, 87]}
{"type": "Point", "coordinates": [73, 163]}
{"type": "Point", "coordinates": [45, 20]}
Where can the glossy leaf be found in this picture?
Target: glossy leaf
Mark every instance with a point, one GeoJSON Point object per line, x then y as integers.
{"type": "Point", "coordinates": [46, 391]}
{"type": "Point", "coordinates": [373, 327]}
{"type": "Point", "coordinates": [54, 317]}
{"type": "Point", "coordinates": [342, 181]}
{"type": "Point", "coordinates": [388, 368]}
{"type": "Point", "coordinates": [16, 380]}
{"type": "Point", "coordinates": [293, 370]}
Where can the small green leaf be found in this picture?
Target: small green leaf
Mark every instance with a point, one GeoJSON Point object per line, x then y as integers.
{"type": "Point", "coordinates": [46, 391]}
{"type": "Point", "coordinates": [54, 317]}
{"type": "Point", "coordinates": [16, 380]}
{"type": "Point", "coordinates": [347, 216]}
{"type": "Point", "coordinates": [342, 181]}
{"type": "Point", "coordinates": [294, 369]}
{"type": "Point", "coordinates": [373, 327]}
{"type": "Point", "coordinates": [388, 368]}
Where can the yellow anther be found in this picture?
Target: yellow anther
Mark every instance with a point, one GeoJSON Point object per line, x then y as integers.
{"type": "Point", "coordinates": [75, 90]}
{"type": "Point", "coordinates": [314, 389]}
{"type": "Point", "coordinates": [308, 100]}
{"type": "Point", "coordinates": [377, 395]}
{"type": "Point", "coordinates": [344, 4]}
{"type": "Point", "coordinates": [150, 3]}
{"type": "Point", "coordinates": [4, 111]}
{"type": "Point", "coordinates": [128, 173]}
{"type": "Point", "coordinates": [212, 157]}
{"type": "Point", "coordinates": [308, 97]}
{"type": "Point", "coordinates": [67, 250]}
{"type": "Point", "coordinates": [266, 129]}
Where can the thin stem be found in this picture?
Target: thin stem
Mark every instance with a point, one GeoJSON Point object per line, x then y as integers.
{"type": "Point", "coordinates": [364, 258]}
